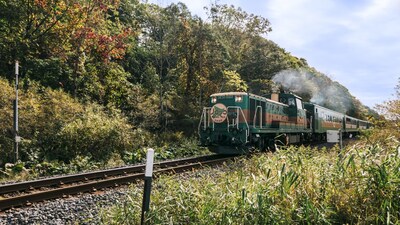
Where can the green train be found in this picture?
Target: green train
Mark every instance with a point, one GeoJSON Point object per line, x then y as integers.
{"type": "Point", "coordinates": [236, 122]}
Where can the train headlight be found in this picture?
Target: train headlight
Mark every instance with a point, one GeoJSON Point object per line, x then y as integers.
{"type": "Point", "coordinates": [238, 98]}
{"type": "Point", "coordinates": [213, 99]}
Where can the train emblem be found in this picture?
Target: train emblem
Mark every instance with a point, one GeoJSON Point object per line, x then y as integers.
{"type": "Point", "coordinates": [218, 113]}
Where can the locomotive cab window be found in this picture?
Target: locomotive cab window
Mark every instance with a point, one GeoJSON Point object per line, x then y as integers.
{"type": "Point", "coordinates": [291, 102]}
{"type": "Point", "coordinates": [238, 98]}
{"type": "Point", "coordinates": [299, 104]}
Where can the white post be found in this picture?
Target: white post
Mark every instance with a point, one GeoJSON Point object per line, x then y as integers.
{"type": "Point", "coordinates": [147, 182]}
{"type": "Point", "coordinates": [149, 163]}
{"type": "Point", "coordinates": [17, 139]}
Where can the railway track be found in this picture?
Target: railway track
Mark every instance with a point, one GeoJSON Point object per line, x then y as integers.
{"type": "Point", "coordinates": [28, 192]}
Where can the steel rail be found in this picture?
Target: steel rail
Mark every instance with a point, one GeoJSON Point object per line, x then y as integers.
{"type": "Point", "coordinates": [164, 167]}
{"type": "Point", "coordinates": [65, 179]}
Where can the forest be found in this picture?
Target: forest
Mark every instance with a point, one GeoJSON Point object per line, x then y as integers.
{"type": "Point", "coordinates": [104, 78]}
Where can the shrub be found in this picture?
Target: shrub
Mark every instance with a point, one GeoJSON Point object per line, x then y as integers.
{"type": "Point", "coordinates": [54, 126]}
{"type": "Point", "coordinates": [95, 134]}
{"type": "Point", "coordinates": [6, 121]}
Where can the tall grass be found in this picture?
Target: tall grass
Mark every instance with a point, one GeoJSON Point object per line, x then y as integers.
{"type": "Point", "coordinates": [294, 186]}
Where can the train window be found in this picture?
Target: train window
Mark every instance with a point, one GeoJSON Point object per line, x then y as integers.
{"type": "Point", "coordinates": [291, 102]}
{"type": "Point", "coordinates": [298, 103]}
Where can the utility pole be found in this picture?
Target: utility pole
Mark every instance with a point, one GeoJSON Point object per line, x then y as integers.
{"type": "Point", "coordinates": [17, 138]}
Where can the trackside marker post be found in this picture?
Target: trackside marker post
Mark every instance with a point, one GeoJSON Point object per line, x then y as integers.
{"type": "Point", "coordinates": [147, 183]}
{"type": "Point", "coordinates": [17, 138]}
{"type": "Point", "coordinates": [341, 139]}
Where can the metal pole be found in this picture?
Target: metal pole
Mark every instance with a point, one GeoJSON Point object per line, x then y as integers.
{"type": "Point", "coordinates": [147, 183]}
{"type": "Point", "coordinates": [17, 139]}
{"type": "Point", "coordinates": [340, 139]}
{"type": "Point", "coordinates": [341, 144]}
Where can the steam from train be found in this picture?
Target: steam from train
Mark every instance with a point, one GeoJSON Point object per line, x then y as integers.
{"type": "Point", "coordinates": [323, 91]}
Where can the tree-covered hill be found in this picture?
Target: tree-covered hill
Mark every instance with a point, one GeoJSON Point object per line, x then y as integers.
{"type": "Point", "coordinates": [142, 65]}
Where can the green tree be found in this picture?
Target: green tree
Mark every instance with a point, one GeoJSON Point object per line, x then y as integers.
{"type": "Point", "coordinates": [235, 30]}
{"type": "Point", "coordinates": [233, 82]}
{"type": "Point", "coordinates": [6, 121]}
{"type": "Point", "coordinates": [30, 29]}
{"type": "Point", "coordinates": [391, 109]}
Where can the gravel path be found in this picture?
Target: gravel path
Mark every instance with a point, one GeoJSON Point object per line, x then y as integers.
{"type": "Point", "coordinates": [80, 209]}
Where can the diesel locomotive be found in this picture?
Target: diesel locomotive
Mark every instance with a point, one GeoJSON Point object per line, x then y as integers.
{"type": "Point", "coordinates": [236, 122]}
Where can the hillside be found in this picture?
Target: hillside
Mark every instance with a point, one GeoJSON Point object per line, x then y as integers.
{"type": "Point", "coordinates": [135, 69]}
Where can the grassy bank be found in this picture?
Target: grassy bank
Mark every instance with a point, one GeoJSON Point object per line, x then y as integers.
{"type": "Point", "coordinates": [293, 186]}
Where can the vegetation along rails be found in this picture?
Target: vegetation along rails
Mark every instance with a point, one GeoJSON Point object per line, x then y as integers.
{"type": "Point", "coordinates": [90, 181]}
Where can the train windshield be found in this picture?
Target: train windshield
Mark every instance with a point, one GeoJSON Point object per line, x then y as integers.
{"type": "Point", "coordinates": [299, 104]}
{"type": "Point", "coordinates": [291, 102]}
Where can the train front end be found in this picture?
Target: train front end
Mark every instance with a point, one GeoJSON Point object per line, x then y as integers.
{"type": "Point", "coordinates": [223, 126]}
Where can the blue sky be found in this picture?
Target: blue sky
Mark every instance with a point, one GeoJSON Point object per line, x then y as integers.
{"type": "Point", "coordinates": [354, 42]}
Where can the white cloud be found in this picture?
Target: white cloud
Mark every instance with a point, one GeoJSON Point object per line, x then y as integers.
{"type": "Point", "coordinates": [297, 23]}
{"type": "Point", "coordinates": [358, 40]}
{"type": "Point", "coordinates": [377, 8]}
{"type": "Point", "coordinates": [376, 27]}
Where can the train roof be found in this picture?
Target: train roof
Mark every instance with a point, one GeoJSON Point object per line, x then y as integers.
{"type": "Point", "coordinates": [228, 94]}
{"type": "Point", "coordinates": [324, 108]}
{"type": "Point", "coordinates": [343, 114]}
{"type": "Point", "coordinates": [245, 93]}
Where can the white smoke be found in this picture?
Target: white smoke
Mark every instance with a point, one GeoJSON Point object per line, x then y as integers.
{"type": "Point", "coordinates": [299, 82]}
{"type": "Point", "coordinates": [322, 90]}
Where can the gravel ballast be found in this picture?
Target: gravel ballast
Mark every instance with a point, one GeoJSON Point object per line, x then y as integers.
{"type": "Point", "coordinates": [80, 209]}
